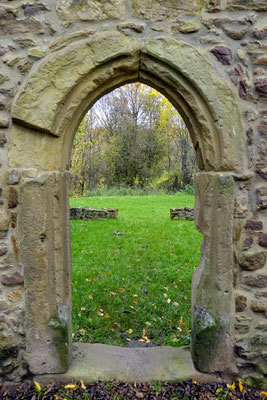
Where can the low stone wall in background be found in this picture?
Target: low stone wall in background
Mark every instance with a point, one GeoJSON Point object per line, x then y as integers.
{"type": "Point", "coordinates": [182, 213]}
{"type": "Point", "coordinates": [87, 213]}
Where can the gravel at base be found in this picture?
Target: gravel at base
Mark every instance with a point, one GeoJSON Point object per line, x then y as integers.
{"type": "Point", "coordinates": [116, 390]}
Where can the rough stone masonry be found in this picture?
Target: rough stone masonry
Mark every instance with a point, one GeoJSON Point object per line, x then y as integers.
{"type": "Point", "coordinates": [209, 58]}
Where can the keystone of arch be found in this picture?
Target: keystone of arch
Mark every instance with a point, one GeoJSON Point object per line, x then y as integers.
{"type": "Point", "coordinates": [51, 93]}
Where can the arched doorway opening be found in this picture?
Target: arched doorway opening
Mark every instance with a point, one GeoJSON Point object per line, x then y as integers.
{"type": "Point", "coordinates": [46, 115]}
{"type": "Point", "coordinates": [132, 275]}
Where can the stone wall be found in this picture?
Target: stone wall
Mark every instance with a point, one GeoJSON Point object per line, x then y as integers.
{"type": "Point", "coordinates": [182, 213]}
{"type": "Point", "coordinates": [209, 58]}
{"type": "Point", "coordinates": [87, 213]}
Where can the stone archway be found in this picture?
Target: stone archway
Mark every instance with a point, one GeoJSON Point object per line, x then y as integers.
{"type": "Point", "coordinates": [46, 113]}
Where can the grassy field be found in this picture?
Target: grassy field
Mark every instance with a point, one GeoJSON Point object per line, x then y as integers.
{"type": "Point", "coordinates": [132, 276]}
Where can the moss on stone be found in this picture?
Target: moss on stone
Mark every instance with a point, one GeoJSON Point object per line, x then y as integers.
{"type": "Point", "coordinates": [5, 346]}
{"type": "Point", "coordinates": [205, 335]}
{"type": "Point", "coordinates": [60, 340]}
{"type": "Point", "coordinates": [256, 380]}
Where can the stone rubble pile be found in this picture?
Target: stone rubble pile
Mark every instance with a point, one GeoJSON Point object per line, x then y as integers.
{"type": "Point", "coordinates": [182, 213]}
{"type": "Point", "coordinates": [87, 213]}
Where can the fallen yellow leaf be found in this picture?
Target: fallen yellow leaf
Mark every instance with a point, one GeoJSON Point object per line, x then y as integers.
{"type": "Point", "coordinates": [107, 316]}
{"type": "Point", "coordinates": [232, 387]}
{"type": "Point", "coordinates": [70, 386]}
{"type": "Point", "coordinates": [240, 386]}
{"type": "Point", "coordinates": [264, 393]}
{"type": "Point", "coordinates": [83, 385]}
{"type": "Point", "coordinates": [130, 331]}
{"type": "Point", "coordinates": [90, 297]}
{"type": "Point", "coordinates": [37, 386]}
{"type": "Point", "coordinates": [168, 301]}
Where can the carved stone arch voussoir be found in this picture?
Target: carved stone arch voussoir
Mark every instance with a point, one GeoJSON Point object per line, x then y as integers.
{"type": "Point", "coordinates": [68, 81]}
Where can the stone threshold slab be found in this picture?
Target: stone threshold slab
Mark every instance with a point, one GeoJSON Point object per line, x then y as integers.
{"type": "Point", "coordinates": [100, 362]}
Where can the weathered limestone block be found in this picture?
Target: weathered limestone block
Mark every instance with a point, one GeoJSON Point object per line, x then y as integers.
{"type": "Point", "coordinates": [87, 213]}
{"type": "Point", "coordinates": [4, 224]}
{"type": "Point", "coordinates": [11, 60]}
{"type": "Point", "coordinates": [47, 296]}
{"type": "Point", "coordinates": [165, 8]}
{"type": "Point", "coordinates": [178, 55]}
{"type": "Point", "coordinates": [234, 28]}
{"type": "Point", "coordinates": [12, 279]}
{"type": "Point", "coordinates": [261, 198]}
{"type": "Point", "coordinates": [4, 120]}
{"type": "Point", "coordinates": [32, 9]}
{"type": "Point", "coordinates": [13, 177]}
{"type": "Point", "coordinates": [263, 239]}
{"type": "Point", "coordinates": [252, 260]}
{"type": "Point", "coordinates": [10, 25]}
{"type": "Point", "coordinates": [13, 198]}
{"type": "Point", "coordinates": [213, 6]}
{"type": "Point", "coordinates": [15, 295]}
{"type": "Point", "coordinates": [182, 213]}
{"type": "Point", "coordinates": [260, 31]}
{"type": "Point", "coordinates": [64, 69]}
{"type": "Point", "coordinates": [253, 225]}
{"type": "Point", "coordinates": [258, 5]}
{"type": "Point", "coordinates": [3, 249]}
{"type": "Point", "coordinates": [240, 303]}
{"type": "Point", "coordinates": [3, 78]}
{"type": "Point", "coordinates": [223, 54]}
{"type": "Point", "coordinates": [3, 140]}
{"type": "Point", "coordinates": [90, 10]}
{"type": "Point", "coordinates": [258, 281]}
{"type": "Point", "coordinates": [36, 52]}
{"type": "Point", "coordinates": [212, 285]}
{"type": "Point", "coordinates": [250, 136]}
{"type": "Point", "coordinates": [22, 138]}
{"type": "Point", "coordinates": [126, 26]}
{"type": "Point", "coordinates": [185, 26]}
{"type": "Point", "coordinates": [7, 351]}
{"type": "Point", "coordinates": [25, 42]}
{"type": "Point", "coordinates": [24, 67]}
{"type": "Point", "coordinates": [258, 306]}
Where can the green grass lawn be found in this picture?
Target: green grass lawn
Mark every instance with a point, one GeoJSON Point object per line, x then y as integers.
{"type": "Point", "coordinates": [132, 276]}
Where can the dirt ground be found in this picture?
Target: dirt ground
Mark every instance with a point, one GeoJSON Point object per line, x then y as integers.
{"type": "Point", "coordinates": [116, 390]}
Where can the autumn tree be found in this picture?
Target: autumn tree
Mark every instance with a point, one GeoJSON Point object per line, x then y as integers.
{"type": "Point", "coordinates": [133, 137]}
